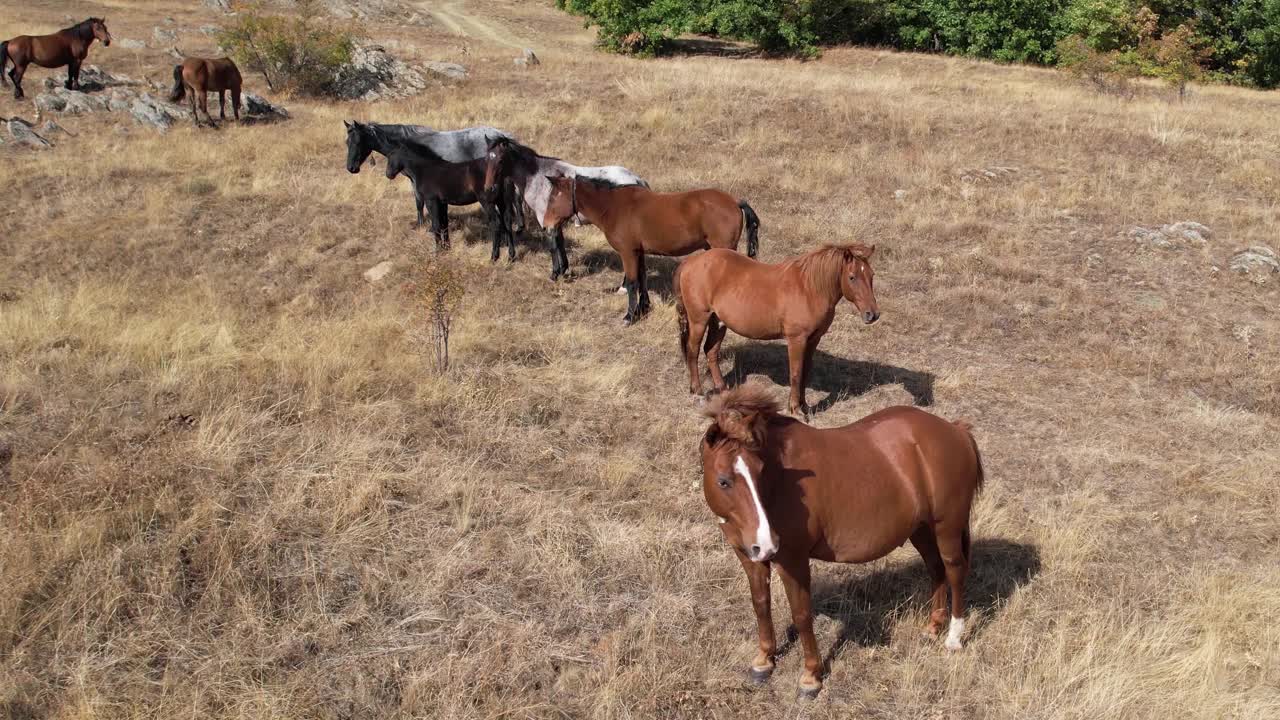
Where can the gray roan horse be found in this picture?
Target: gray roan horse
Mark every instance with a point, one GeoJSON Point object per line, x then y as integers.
{"type": "Point", "coordinates": [511, 161]}
{"type": "Point", "coordinates": [454, 146]}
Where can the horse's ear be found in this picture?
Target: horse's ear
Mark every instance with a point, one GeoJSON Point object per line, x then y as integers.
{"type": "Point", "coordinates": [347, 124]}
{"type": "Point", "coordinates": [712, 436]}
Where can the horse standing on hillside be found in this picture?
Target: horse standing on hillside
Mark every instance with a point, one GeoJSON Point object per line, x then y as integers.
{"type": "Point", "coordinates": [721, 290]}
{"type": "Point", "coordinates": [785, 492]}
{"type": "Point", "coordinates": [69, 47]}
{"type": "Point", "coordinates": [439, 184]}
{"type": "Point", "coordinates": [529, 171]}
{"type": "Point", "coordinates": [197, 77]}
{"type": "Point", "coordinates": [364, 139]}
{"type": "Point", "coordinates": [635, 220]}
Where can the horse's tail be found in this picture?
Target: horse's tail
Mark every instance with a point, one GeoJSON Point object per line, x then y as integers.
{"type": "Point", "coordinates": [4, 60]}
{"type": "Point", "coordinates": [179, 87]}
{"type": "Point", "coordinates": [977, 455]}
{"type": "Point", "coordinates": [682, 315]}
{"type": "Point", "coordinates": [753, 228]}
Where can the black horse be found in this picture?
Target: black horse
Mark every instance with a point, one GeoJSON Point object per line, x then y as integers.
{"type": "Point", "coordinates": [438, 184]}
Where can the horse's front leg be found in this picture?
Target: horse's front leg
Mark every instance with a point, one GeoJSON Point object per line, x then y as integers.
{"type": "Point", "coordinates": [73, 75]}
{"type": "Point", "coordinates": [436, 231]}
{"type": "Point", "coordinates": [758, 576]}
{"type": "Point", "coordinates": [630, 266]}
{"type": "Point", "coordinates": [797, 351]}
{"type": "Point", "coordinates": [795, 578]}
{"type": "Point", "coordinates": [442, 209]}
{"type": "Point", "coordinates": [222, 104]}
{"type": "Point", "coordinates": [495, 225]}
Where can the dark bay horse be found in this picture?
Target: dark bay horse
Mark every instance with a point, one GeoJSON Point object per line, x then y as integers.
{"type": "Point", "coordinates": [796, 300]}
{"type": "Point", "coordinates": [66, 47]}
{"type": "Point", "coordinates": [196, 77]}
{"type": "Point", "coordinates": [785, 492]}
{"type": "Point", "coordinates": [529, 172]}
{"type": "Point", "coordinates": [438, 183]}
{"type": "Point", "coordinates": [636, 220]}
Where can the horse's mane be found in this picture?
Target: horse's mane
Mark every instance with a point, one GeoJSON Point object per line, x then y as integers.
{"type": "Point", "coordinates": [602, 183]}
{"type": "Point", "coordinates": [83, 27]}
{"type": "Point", "coordinates": [741, 414]}
{"type": "Point", "coordinates": [821, 268]}
{"type": "Point", "coordinates": [745, 399]}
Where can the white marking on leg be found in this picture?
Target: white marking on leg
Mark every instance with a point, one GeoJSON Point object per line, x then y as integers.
{"type": "Point", "coordinates": [764, 537]}
{"type": "Point", "coordinates": [954, 632]}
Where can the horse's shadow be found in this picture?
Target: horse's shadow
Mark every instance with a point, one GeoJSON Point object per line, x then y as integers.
{"type": "Point", "coordinates": [866, 606]}
{"type": "Point", "coordinates": [658, 269]}
{"type": "Point", "coordinates": [830, 374]}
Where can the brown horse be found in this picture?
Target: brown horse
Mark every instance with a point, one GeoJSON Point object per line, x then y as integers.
{"type": "Point", "coordinates": [66, 47]}
{"type": "Point", "coordinates": [196, 77]}
{"type": "Point", "coordinates": [796, 300]}
{"type": "Point", "coordinates": [636, 220]}
{"type": "Point", "coordinates": [785, 492]}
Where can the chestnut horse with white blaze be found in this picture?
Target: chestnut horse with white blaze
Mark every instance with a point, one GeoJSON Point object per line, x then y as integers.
{"type": "Point", "coordinates": [795, 299]}
{"type": "Point", "coordinates": [195, 78]}
{"type": "Point", "coordinates": [69, 46]}
{"type": "Point", "coordinates": [636, 220]}
{"type": "Point", "coordinates": [785, 492]}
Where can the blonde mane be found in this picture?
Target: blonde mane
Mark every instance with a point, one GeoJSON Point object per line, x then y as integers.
{"type": "Point", "coordinates": [821, 268]}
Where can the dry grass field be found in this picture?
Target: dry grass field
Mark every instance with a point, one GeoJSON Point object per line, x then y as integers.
{"type": "Point", "coordinates": [238, 490]}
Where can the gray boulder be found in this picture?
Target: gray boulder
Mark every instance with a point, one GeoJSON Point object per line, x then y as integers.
{"type": "Point", "coordinates": [1258, 261]}
{"type": "Point", "coordinates": [71, 102]}
{"type": "Point", "coordinates": [220, 5]}
{"type": "Point", "coordinates": [373, 74]}
{"type": "Point", "coordinates": [128, 44]}
{"type": "Point", "coordinates": [150, 112]}
{"type": "Point", "coordinates": [453, 71]}
{"type": "Point", "coordinates": [529, 59]}
{"type": "Point", "coordinates": [21, 132]}
{"type": "Point", "coordinates": [163, 35]}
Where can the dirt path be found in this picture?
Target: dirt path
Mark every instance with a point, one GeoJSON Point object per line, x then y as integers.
{"type": "Point", "coordinates": [459, 21]}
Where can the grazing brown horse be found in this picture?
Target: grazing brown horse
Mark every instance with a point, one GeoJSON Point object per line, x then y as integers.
{"type": "Point", "coordinates": [66, 47]}
{"type": "Point", "coordinates": [196, 77]}
{"type": "Point", "coordinates": [785, 492]}
{"type": "Point", "coordinates": [636, 220]}
{"type": "Point", "coordinates": [795, 300]}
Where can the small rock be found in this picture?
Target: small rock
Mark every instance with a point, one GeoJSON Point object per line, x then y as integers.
{"type": "Point", "coordinates": [128, 44]}
{"type": "Point", "coordinates": [899, 195]}
{"type": "Point", "coordinates": [221, 5]}
{"type": "Point", "coordinates": [379, 271]}
{"type": "Point", "coordinates": [1257, 261]}
{"type": "Point", "coordinates": [1174, 236]}
{"type": "Point", "coordinates": [256, 109]}
{"type": "Point", "coordinates": [20, 130]}
{"type": "Point", "coordinates": [529, 59]}
{"type": "Point", "coordinates": [164, 36]}
{"type": "Point", "coordinates": [450, 70]}
{"type": "Point", "coordinates": [210, 29]}
{"type": "Point", "coordinates": [51, 127]}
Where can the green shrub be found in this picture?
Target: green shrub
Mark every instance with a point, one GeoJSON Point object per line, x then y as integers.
{"type": "Point", "coordinates": [300, 53]}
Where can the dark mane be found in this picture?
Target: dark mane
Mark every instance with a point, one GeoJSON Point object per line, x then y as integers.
{"type": "Point", "coordinates": [601, 183]}
{"type": "Point", "coordinates": [821, 268]}
{"type": "Point", "coordinates": [415, 152]}
{"type": "Point", "coordinates": [83, 28]}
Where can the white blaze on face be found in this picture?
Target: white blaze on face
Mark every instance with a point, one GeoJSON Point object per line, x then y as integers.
{"type": "Point", "coordinates": [954, 632]}
{"type": "Point", "coordinates": [764, 537]}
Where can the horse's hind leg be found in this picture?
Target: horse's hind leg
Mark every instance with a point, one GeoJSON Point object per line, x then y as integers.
{"type": "Point", "coordinates": [222, 104]}
{"type": "Point", "coordinates": [630, 265]}
{"type": "Point", "coordinates": [16, 76]}
{"type": "Point", "coordinates": [642, 280]}
{"type": "Point", "coordinates": [716, 331]}
{"type": "Point", "coordinates": [693, 330]}
{"type": "Point", "coordinates": [235, 103]}
{"type": "Point", "coordinates": [927, 545]}
{"type": "Point", "coordinates": [953, 546]}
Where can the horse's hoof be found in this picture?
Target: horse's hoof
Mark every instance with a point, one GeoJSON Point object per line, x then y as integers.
{"type": "Point", "coordinates": [953, 644]}
{"type": "Point", "coordinates": [808, 693]}
{"type": "Point", "coordinates": [759, 676]}
{"type": "Point", "coordinates": [622, 290]}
